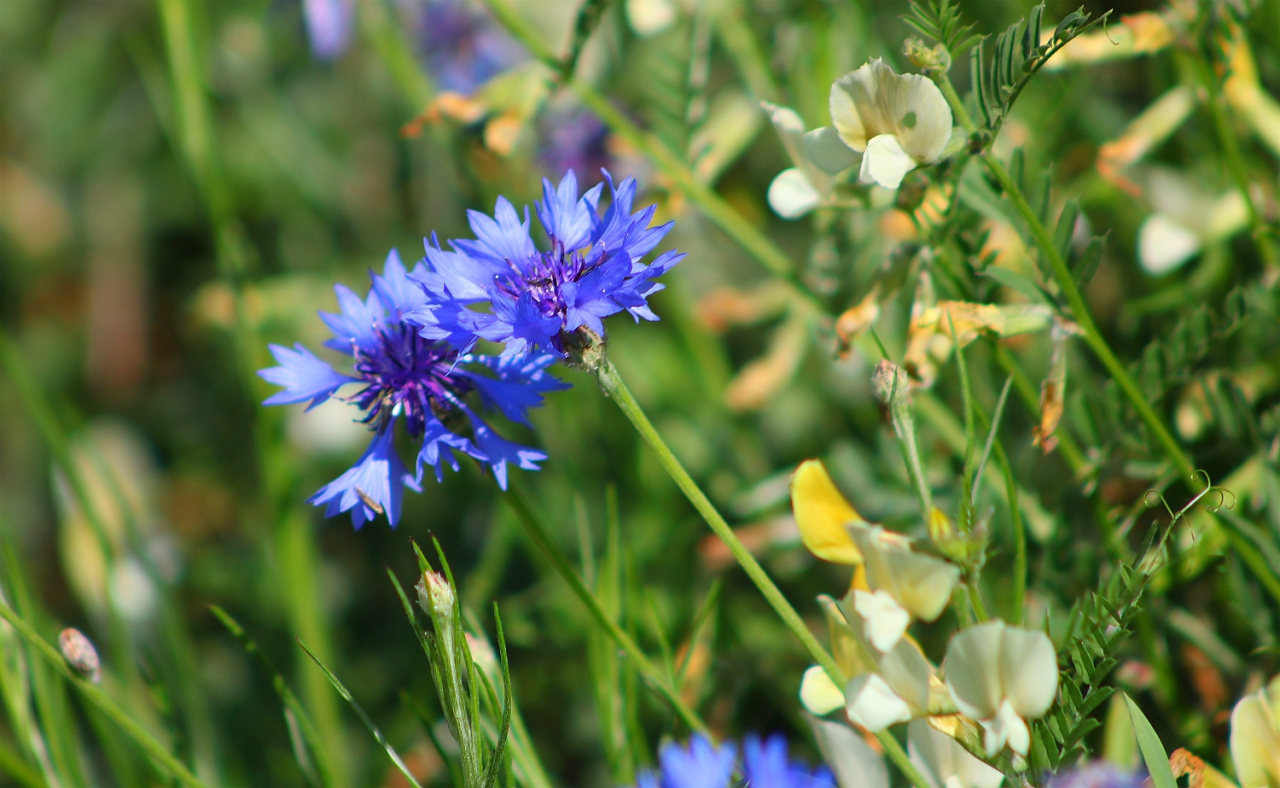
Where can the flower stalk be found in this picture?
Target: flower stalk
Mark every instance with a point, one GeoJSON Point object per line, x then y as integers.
{"type": "Point", "coordinates": [1066, 282]}
{"type": "Point", "coordinates": [617, 389]}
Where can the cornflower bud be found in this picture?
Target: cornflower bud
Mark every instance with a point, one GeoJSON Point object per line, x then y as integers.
{"type": "Point", "coordinates": [435, 596]}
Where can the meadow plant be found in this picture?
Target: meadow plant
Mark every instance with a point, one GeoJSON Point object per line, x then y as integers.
{"type": "Point", "coordinates": [1065, 585]}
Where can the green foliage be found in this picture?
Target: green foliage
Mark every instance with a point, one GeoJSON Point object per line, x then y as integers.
{"type": "Point", "coordinates": [940, 21]}
{"type": "Point", "coordinates": [1016, 57]}
{"type": "Point", "coordinates": [1096, 632]}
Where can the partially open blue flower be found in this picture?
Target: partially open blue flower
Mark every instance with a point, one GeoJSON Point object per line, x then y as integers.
{"type": "Point", "coordinates": [537, 298]}
{"type": "Point", "coordinates": [703, 765]}
{"type": "Point", "coordinates": [765, 765]}
{"type": "Point", "coordinates": [699, 765]}
{"type": "Point", "coordinates": [435, 387]}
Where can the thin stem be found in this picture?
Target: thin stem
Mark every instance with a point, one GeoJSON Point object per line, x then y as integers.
{"type": "Point", "coordinates": [617, 389]}
{"type": "Point", "coordinates": [100, 700]}
{"type": "Point", "coordinates": [975, 598]}
{"type": "Point", "coordinates": [1062, 275]}
{"type": "Point", "coordinates": [1235, 162]}
{"type": "Point", "coordinates": [1080, 311]}
{"type": "Point", "coordinates": [538, 535]}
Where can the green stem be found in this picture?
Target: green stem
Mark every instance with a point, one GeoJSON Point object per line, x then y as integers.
{"type": "Point", "coordinates": [1235, 162]}
{"type": "Point", "coordinates": [99, 699]}
{"type": "Point", "coordinates": [1067, 283]}
{"type": "Point", "coordinates": [617, 389]}
{"type": "Point", "coordinates": [1080, 311]}
{"type": "Point", "coordinates": [613, 384]}
{"type": "Point", "coordinates": [538, 535]}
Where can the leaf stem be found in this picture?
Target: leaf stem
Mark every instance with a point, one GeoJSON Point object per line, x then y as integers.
{"type": "Point", "coordinates": [617, 389]}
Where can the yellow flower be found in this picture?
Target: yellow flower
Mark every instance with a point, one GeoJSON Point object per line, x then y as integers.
{"type": "Point", "coordinates": [823, 515]}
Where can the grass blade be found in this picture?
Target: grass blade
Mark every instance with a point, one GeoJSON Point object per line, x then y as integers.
{"type": "Point", "coordinates": [1153, 752]}
{"type": "Point", "coordinates": [318, 773]}
{"type": "Point", "coordinates": [368, 723]}
{"type": "Point", "coordinates": [99, 699]}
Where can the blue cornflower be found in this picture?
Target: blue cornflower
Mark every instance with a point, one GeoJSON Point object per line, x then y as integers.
{"type": "Point", "coordinates": [700, 765]}
{"type": "Point", "coordinates": [765, 765]}
{"type": "Point", "coordinates": [435, 387]}
{"type": "Point", "coordinates": [539, 298]}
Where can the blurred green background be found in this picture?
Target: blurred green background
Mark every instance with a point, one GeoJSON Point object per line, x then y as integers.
{"type": "Point", "coordinates": [183, 182]}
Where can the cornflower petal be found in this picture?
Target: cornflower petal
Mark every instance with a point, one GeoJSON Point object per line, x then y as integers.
{"type": "Point", "coordinates": [503, 239]}
{"type": "Point", "coordinates": [371, 487]}
{"type": "Point", "coordinates": [397, 293]}
{"type": "Point", "coordinates": [416, 374]}
{"type": "Point", "coordinates": [499, 451]}
{"type": "Point", "coordinates": [766, 765]}
{"type": "Point", "coordinates": [303, 375]}
{"type": "Point", "coordinates": [328, 26]}
{"type": "Point", "coordinates": [701, 765]}
{"type": "Point", "coordinates": [355, 325]}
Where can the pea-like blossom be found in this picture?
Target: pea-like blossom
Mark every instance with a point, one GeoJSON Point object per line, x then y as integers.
{"type": "Point", "coordinates": [1255, 737]}
{"type": "Point", "coordinates": [897, 121]}
{"type": "Point", "coordinates": [537, 298]}
{"type": "Point", "coordinates": [1002, 676]}
{"type": "Point", "coordinates": [436, 388]}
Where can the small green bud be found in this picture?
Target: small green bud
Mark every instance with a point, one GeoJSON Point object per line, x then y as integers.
{"type": "Point", "coordinates": [435, 596]}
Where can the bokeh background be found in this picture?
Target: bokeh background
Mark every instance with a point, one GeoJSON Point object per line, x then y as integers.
{"type": "Point", "coordinates": [183, 182]}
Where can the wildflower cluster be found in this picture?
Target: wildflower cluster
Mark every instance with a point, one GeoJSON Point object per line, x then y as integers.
{"type": "Point", "coordinates": [414, 341]}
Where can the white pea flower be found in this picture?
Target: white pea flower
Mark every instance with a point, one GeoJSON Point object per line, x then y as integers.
{"type": "Point", "coordinates": [1002, 676]}
{"type": "Point", "coordinates": [853, 763]}
{"type": "Point", "coordinates": [1186, 219]}
{"type": "Point", "coordinates": [902, 585]}
{"type": "Point", "coordinates": [818, 156]}
{"type": "Point", "coordinates": [884, 689]}
{"type": "Point", "coordinates": [897, 121]}
{"type": "Point", "coordinates": [1255, 738]}
{"type": "Point", "coordinates": [897, 692]}
{"type": "Point", "coordinates": [944, 763]}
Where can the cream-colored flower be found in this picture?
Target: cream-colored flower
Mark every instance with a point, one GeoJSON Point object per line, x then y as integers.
{"type": "Point", "coordinates": [885, 688]}
{"type": "Point", "coordinates": [902, 585]}
{"type": "Point", "coordinates": [897, 121]}
{"type": "Point", "coordinates": [818, 156]}
{"type": "Point", "coordinates": [853, 763]}
{"type": "Point", "coordinates": [897, 692]}
{"type": "Point", "coordinates": [944, 763]}
{"type": "Point", "coordinates": [1255, 738]}
{"type": "Point", "coordinates": [1002, 676]}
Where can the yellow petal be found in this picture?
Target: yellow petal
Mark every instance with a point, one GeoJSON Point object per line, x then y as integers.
{"type": "Point", "coordinates": [822, 514]}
